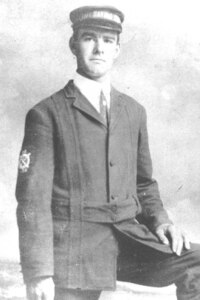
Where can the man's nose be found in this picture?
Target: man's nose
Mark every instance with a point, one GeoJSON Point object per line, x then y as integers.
{"type": "Point", "coordinates": [99, 46]}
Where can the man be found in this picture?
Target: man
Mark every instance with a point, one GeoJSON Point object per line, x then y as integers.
{"type": "Point", "coordinates": [89, 211]}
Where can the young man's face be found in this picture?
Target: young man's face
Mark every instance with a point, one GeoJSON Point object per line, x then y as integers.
{"type": "Point", "coordinates": [95, 51]}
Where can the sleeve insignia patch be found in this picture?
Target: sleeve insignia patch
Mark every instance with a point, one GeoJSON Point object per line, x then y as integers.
{"type": "Point", "coordinates": [24, 161]}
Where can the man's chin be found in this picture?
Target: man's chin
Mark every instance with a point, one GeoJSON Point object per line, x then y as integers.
{"type": "Point", "coordinates": [97, 74]}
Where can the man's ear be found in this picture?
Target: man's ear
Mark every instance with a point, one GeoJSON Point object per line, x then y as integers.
{"type": "Point", "coordinates": [72, 45]}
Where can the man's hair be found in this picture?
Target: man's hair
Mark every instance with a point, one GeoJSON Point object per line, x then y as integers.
{"type": "Point", "coordinates": [75, 35]}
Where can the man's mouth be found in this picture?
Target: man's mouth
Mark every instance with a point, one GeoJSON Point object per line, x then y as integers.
{"type": "Point", "coordinates": [97, 59]}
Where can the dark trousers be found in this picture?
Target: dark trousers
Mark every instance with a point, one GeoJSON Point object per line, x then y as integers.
{"type": "Point", "coordinates": [143, 265]}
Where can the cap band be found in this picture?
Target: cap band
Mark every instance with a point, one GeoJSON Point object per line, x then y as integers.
{"type": "Point", "coordinates": [99, 15]}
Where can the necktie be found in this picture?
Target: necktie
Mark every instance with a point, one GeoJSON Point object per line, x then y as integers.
{"type": "Point", "coordinates": [103, 107]}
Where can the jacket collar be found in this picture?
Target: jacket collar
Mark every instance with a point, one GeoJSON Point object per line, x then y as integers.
{"type": "Point", "coordinates": [81, 103]}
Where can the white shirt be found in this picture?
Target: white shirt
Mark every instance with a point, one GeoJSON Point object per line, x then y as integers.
{"type": "Point", "coordinates": [91, 89]}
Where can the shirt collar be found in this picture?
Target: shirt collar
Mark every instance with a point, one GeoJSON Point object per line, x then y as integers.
{"type": "Point", "coordinates": [91, 89]}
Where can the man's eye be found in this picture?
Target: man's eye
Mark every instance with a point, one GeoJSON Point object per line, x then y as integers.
{"type": "Point", "coordinates": [87, 38]}
{"type": "Point", "coordinates": [109, 41]}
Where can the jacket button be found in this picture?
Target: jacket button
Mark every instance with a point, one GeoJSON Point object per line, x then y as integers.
{"type": "Point", "coordinates": [114, 208]}
{"type": "Point", "coordinates": [114, 197]}
{"type": "Point", "coordinates": [111, 163]}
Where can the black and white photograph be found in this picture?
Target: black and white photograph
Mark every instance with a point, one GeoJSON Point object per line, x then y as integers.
{"type": "Point", "coordinates": [100, 150]}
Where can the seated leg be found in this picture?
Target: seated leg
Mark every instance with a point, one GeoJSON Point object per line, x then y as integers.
{"type": "Point", "coordinates": [140, 264]}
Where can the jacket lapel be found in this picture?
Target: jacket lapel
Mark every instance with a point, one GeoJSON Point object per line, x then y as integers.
{"type": "Point", "coordinates": [81, 103]}
{"type": "Point", "coordinates": [116, 107]}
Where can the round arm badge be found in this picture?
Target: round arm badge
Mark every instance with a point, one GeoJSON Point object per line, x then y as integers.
{"type": "Point", "coordinates": [24, 161]}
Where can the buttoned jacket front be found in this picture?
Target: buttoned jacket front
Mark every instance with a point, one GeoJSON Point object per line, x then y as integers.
{"type": "Point", "coordinates": [84, 180]}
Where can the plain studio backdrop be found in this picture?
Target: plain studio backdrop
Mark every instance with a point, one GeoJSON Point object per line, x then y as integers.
{"type": "Point", "coordinates": [159, 66]}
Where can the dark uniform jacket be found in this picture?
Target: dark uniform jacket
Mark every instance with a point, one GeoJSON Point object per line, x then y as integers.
{"type": "Point", "coordinates": [78, 181]}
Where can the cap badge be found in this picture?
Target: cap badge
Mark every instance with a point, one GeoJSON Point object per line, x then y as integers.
{"type": "Point", "coordinates": [24, 161]}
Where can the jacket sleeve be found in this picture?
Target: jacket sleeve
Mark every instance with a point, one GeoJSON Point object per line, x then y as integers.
{"type": "Point", "coordinates": [153, 213]}
{"type": "Point", "coordinates": [33, 193]}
